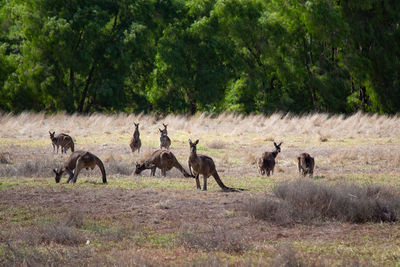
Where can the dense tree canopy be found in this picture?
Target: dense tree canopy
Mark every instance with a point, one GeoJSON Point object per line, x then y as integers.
{"type": "Point", "coordinates": [200, 55]}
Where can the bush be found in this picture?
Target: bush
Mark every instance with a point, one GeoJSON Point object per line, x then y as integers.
{"type": "Point", "coordinates": [60, 233]}
{"type": "Point", "coordinates": [211, 238]}
{"type": "Point", "coordinates": [305, 201]}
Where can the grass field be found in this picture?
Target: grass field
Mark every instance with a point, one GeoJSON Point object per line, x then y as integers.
{"type": "Point", "coordinates": [157, 221]}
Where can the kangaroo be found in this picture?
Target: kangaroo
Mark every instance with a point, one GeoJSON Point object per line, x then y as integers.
{"type": "Point", "coordinates": [266, 163]}
{"type": "Point", "coordinates": [63, 140]}
{"type": "Point", "coordinates": [135, 140]}
{"type": "Point", "coordinates": [306, 164]}
{"type": "Point", "coordinates": [204, 165]}
{"type": "Point", "coordinates": [162, 159]}
{"type": "Point", "coordinates": [76, 162]}
{"type": "Point", "coordinates": [164, 139]}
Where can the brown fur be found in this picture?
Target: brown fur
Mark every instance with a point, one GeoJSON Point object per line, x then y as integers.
{"type": "Point", "coordinates": [266, 163]}
{"type": "Point", "coordinates": [164, 139]}
{"type": "Point", "coordinates": [135, 143]}
{"type": "Point", "coordinates": [63, 140]}
{"type": "Point", "coordinates": [78, 161]}
{"type": "Point", "coordinates": [162, 159]}
{"type": "Point", "coordinates": [204, 165]}
{"type": "Point", "coordinates": [306, 164]}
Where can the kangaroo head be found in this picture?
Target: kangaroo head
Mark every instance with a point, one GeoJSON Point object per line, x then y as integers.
{"type": "Point", "coordinates": [139, 168]}
{"type": "Point", "coordinates": [278, 147]}
{"type": "Point", "coordinates": [58, 175]}
{"type": "Point", "coordinates": [52, 134]}
{"type": "Point", "coordinates": [193, 145]}
{"type": "Point", "coordinates": [163, 132]}
{"type": "Point", "coordinates": [136, 125]}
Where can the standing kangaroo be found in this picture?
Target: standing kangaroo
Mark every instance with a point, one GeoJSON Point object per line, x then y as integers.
{"type": "Point", "coordinates": [162, 159]}
{"type": "Point", "coordinates": [306, 164]}
{"type": "Point", "coordinates": [63, 140]}
{"type": "Point", "coordinates": [204, 165]}
{"type": "Point", "coordinates": [135, 143]}
{"type": "Point", "coordinates": [164, 139]}
{"type": "Point", "coordinates": [76, 162]}
{"type": "Point", "coordinates": [266, 163]}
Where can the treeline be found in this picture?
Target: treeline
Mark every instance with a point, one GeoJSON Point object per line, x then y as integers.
{"type": "Point", "coordinates": [200, 55]}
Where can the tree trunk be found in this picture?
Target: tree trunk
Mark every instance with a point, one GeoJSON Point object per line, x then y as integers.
{"type": "Point", "coordinates": [85, 89]}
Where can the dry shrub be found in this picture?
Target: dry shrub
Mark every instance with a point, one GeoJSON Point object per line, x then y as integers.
{"type": "Point", "coordinates": [251, 157]}
{"type": "Point", "coordinates": [118, 167]}
{"type": "Point", "coordinates": [306, 202]}
{"type": "Point", "coordinates": [75, 219]}
{"type": "Point", "coordinates": [210, 238]}
{"type": "Point", "coordinates": [323, 139]}
{"type": "Point", "coordinates": [37, 167]}
{"type": "Point", "coordinates": [286, 257]}
{"type": "Point", "coordinates": [217, 145]}
{"type": "Point", "coordinates": [145, 155]}
{"type": "Point", "coordinates": [14, 255]}
{"type": "Point", "coordinates": [60, 233]}
{"type": "Point", "coordinates": [5, 158]}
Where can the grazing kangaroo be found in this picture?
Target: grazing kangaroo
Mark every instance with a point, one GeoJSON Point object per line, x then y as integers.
{"type": "Point", "coordinates": [266, 163]}
{"type": "Point", "coordinates": [135, 140]}
{"type": "Point", "coordinates": [162, 159]}
{"type": "Point", "coordinates": [63, 140]}
{"type": "Point", "coordinates": [204, 165]}
{"type": "Point", "coordinates": [76, 162]}
{"type": "Point", "coordinates": [164, 139]}
{"type": "Point", "coordinates": [306, 164]}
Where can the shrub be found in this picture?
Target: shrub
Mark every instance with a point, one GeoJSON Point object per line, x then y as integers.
{"type": "Point", "coordinates": [5, 158]}
{"type": "Point", "coordinates": [210, 238]}
{"type": "Point", "coordinates": [60, 233]}
{"type": "Point", "coordinates": [304, 201]}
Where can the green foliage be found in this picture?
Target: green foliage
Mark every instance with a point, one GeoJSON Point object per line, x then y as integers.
{"type": "Point", "coordinates": [200, 55]}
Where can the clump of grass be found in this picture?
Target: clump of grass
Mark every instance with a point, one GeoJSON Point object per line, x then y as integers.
{"type": "Point", "coordinates": [36, 167]}
{"type": "Point", "coordinates": [210, 238]}
{"type": "Point", "coordinates": [117, 167]}
{"type": "Point", "coordinates": [323, 139]}
{"type": "Point", "coordinates": [217, 145]}
{"type": "Point", "coordinates": [307, 202]}
{"type": "Point", "coordinates": [60, 233]}
{"type": "Point", "coordinates": [286, 257]}
{"type": "Point", "coordinates": [5, 158]}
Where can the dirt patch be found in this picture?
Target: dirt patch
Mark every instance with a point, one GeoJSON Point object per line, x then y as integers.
{"type": "Point", "coordinates": [167, 211]}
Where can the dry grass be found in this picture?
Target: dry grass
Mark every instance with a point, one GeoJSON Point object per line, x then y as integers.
{"type": "Point", "coordinates": [157, 221]}
{"type": "Point", "coordinates": [5, 158]}
{"type": "Point", "coordinates": [211, 238]}
{"type": "Point", "coordinates": [304, 201]}
{"type": "Point", "coordinates": [29, 125]}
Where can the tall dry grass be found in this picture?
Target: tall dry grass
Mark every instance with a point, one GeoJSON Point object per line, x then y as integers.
{"type": "Point", "coordinates": [324, 126]}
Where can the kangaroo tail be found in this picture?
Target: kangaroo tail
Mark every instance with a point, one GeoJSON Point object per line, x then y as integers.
{"type": "Point", "coordinates": [219, 182]}
{"type": "Point", "coordinates": [183, 171]}
{"type": "Point", "coordinates": [102, 169]}
{"type": "Point", "coordinates": [224, 187]}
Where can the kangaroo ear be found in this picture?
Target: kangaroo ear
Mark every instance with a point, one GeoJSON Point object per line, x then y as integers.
{"type": "Point", "coordinates": [49, 132]}
{"type": "Point", "coordinates": [190, 141]}
{"type": "Point", "coordinates": [160, 130]}
{"type": "Point", "coordinates": [55, 171]}
{"type": "Point", "coordinates": [280, 144]}
{"type": "Point", "coordinates": [197, 141]}
{"type": "Point", "coordinates": [54, 132]}
{"type": "Point", "coordinates": [275, 144]}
